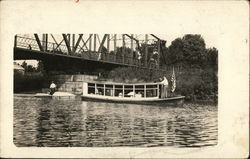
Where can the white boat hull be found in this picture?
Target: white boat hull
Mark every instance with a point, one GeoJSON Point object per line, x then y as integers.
{"type": "Point", "coordinates": [148, 101]}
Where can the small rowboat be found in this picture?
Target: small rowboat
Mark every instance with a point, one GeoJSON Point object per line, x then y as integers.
{"type": "Point", "coordinates": [57, 95]}
{"type": "Point", "coordinates": [134, 93]}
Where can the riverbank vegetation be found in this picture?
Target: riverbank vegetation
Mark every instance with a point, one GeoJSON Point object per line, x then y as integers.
{"type": "Point", "coordinates": [32, 80]}
{"type": "Point", "coordinates": [28, 82]}
{"type": "Point", "coordinates": [196, 69]}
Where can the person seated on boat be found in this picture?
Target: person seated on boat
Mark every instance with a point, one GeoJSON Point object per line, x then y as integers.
{"type": "Point", "coordinates": [164, 87]}
{"type": "Point", "coordinates": [131, 94]}
{"type": "Point", "coordinates": [138, 95]}
{"type": "Point", "coordinates": [108, 93]}
{"type": "Point", "coordinates": [111, 92]}
{"type": "Point", "coordinates": [100, 91]}
{"type": "Point", "coordinates": [52, 88]}
{"type": "Point", "coordinates": [120, 94]}
{"type": "Point", "coordinates": [96, 91]}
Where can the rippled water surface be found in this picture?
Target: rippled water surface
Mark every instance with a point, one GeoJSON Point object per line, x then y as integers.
{"type": "Point", "coordinates": [55, 123]}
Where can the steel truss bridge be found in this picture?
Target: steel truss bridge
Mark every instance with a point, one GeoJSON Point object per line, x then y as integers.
{"type": "Point", "coordinates": [109, 49]}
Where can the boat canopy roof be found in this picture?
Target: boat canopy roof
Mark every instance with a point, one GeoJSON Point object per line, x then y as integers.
{"type": "Point", "coordinates": [119, 83]}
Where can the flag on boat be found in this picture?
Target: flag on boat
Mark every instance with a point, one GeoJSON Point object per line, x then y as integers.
{"type": "Point", "coordinates": [173, 80]}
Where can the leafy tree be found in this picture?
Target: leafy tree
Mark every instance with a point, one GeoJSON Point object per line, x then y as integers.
{"type": "Point", "coordinates": [212, 58]}
{"type": "Point", "coordinates": [175, 52]}
{"type": "Point", "coordinates": [189, 50]}
{"type": "Point", "coordinates": [193, 48]}
{"type": "Point", "coordinates": [24, 65]}
{"type": "Point", "coordinates": [28, 68]}
{"type": "Point", "coordinates": [40, 67]}
{"type": "Point", "coordinates": [164, 55]}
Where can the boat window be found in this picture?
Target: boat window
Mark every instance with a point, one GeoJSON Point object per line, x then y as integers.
{"type": "Point", "coordinates": [118, 91]}
{"type": "Point", "coordinates": [139, 93]}
{"type": "Point", "coordinates": [91, 90]}
{"type": "Point", "coordinates": [151, 86]}
{"type": "Point", "coordinates": [128, 91]}
{"type": "Point", "coordinates": [109, 86]}
{"type": "Point", "coordinates": [109, 90]}
{"type": "Point", "coordinates": [100, 85]}
{"type": "Point", "coordinates": [118, 86]}
{"type": "Point", "coordinates": [100, 91]}
{"type": "Point", "coordinates": [139, 86]}
{"type": "Point", "coordinates": [91, 85]}
{"type": "Point", "coordinates": [151, 93]}
{"type": "Point", "coordinates": [128, 86]}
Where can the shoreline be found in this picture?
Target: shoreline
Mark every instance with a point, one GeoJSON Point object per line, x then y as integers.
{"type": "Point", "coordinates": [200, 102]}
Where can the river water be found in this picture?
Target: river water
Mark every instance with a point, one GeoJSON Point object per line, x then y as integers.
{"type": "Point", "coordinates": [55, 123]}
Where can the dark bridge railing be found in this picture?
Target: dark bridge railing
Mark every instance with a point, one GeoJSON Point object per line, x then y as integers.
{"type": "Point", "coordinates": [60, 49]}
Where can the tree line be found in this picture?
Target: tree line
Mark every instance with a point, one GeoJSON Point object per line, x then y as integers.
{"type": "Point", "coordinates": [187, 51]}
{"type": "Point", "coordinates": [31, 69]}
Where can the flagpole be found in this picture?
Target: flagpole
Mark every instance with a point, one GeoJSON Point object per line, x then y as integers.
{"type": "Point", "coordinates": [173, 80]}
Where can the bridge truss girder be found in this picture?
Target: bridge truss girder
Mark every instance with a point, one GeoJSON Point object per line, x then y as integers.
{"type": "Point", "coordinates": [79, 44]}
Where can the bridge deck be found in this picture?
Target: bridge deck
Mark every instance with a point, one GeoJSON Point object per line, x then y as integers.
{"type": "Point", "coordinates": [25, 44]}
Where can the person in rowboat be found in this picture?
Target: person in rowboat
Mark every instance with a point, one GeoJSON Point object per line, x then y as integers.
{"type": "Point", "coordinates": [52, 88]}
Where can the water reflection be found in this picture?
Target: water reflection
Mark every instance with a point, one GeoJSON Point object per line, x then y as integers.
{"type": "Point", "coordinates": [55, 123]}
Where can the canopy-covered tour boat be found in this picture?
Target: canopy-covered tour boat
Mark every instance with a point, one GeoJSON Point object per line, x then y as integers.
{"type": "Point", "coordinates": [137, 93]}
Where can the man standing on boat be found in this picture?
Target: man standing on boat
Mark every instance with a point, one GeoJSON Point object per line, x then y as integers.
{"type": "Point", "coordinates": [164, 87]}
{"type": "Point", "coordinates": [52, 88]}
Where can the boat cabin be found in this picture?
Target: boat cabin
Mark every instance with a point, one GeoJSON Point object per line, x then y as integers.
{"type": "Point", "coordinates": [121, 90]}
